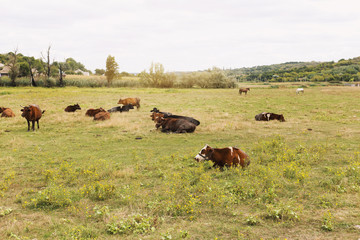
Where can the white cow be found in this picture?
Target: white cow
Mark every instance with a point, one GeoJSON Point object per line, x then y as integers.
{"type": "Point", "coordinates": [299, 90]}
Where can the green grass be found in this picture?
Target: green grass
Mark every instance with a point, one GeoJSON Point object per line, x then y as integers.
{"type": "Point", "coordinates": [79, 179]}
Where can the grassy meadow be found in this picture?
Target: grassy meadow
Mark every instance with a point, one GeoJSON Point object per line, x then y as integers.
{"type": "Point", "coordinates": [121, 179]}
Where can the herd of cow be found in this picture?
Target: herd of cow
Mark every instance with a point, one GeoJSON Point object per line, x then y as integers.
{"type": "Point", "coordinates": [230, 156]}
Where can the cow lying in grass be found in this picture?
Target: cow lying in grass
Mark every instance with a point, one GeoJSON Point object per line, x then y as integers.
{"type": "Point", "coordinates": [6, 112]}
{"type": "Point", "coordinates": [156, 113]}
{"type": "Point", "coordinates": [266, 116]}
{"type": "Point", "coordinates": [230, 156]}
{"type": "Point", "coordinates": [124, 108]}
{"type": "Point", "coordinates": [101, 116]}
{"type": "Point", "coordinates": [132, 101]}
{"type": "Point", "coordinates": [92, 112]}
{"type": "Point", "coordinates": [175, 125]}
{"type": "Point", "coordinates": [72, 108]}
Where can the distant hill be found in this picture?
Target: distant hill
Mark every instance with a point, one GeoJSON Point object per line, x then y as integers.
{"type": "Point", "coordinates": [343, 70]}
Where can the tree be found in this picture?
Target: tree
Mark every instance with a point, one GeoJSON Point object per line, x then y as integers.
{"type": "Point", "coordinates": [157, 77]}
{"type": "Point", "coordinates": [14, 66]}
{"type": "Point", "coordinates": [47, 62]}
{"type": "Point", "coordinates": [99, 71]}
{"type": "Point", "coordinates": [111, 69]}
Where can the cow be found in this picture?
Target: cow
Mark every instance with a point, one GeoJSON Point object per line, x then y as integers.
{"type": "Point", "coordinates": [175, 125]}
{"type": "Point", "coordinates": [156, 113]}
{"type": "Point", "coordinates": [133, 101]}
{"type": "Point", "coordinates": [101, 116]}
{"type": "Point", "coordinates": [32, 113]}
{"type": "Point", "coordinates": [244, 90]}
{"type": "Point", "coordinates": [230, 156]}
{"type": "Point", "coordinates": [6, 112]}
{"type": "Point", "coordinates": [299, 90]}
{"type": "Point", "coordinates": [72, 108]}
{"type": "Point", "coordinates": [266, 116]}
{"type": "Point", "coordinates": [125, 108]}
{"type": "Point", "coordinates": [190, 119]}
{"type": "Point", "coordinates": [155, 110]}
{"type": "Point", "coordinates": [91, 112]}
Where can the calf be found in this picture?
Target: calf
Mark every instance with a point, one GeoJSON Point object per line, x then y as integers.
{"type": "Point", "coordinates": [72, 108]}
{"type": "Point", "coordinates": [32, 113]}
{"type": "Point", "coordinates": [175, 125]}
{"type": "Point", "coordinates": [6, 112]}
{"type": "Point", "coordinates": [230, 156]}
{"type": "Point", "coordinates": [133, 101]}
{"type": "Point", "coordinates": [92, 112]}
{"type": "Point", "coordinates": [101, 116]}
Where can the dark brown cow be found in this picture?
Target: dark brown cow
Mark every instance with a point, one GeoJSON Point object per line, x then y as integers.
{"type": "Point", "coordinates": [92, 112]}
{"type": "Point", "coordinates": [6, 112]}
{"type": "Point", "coordinates": [245, 90]}
{"type": "Point", "coordinates": [132, 101]}
{"type": "Point", "coordinates": [32, 113]}
{"type": "Point", "coordinates": [230, 156]}
{"type": "Point", "coordinates": [101, 116]}
{"type": "Point", "coordinates": [266, 116]}
{"type": "Point", "coordinates": [175, 125]}
{"type": "Point", "coordinates": [156, 113]}
{"type": "Point", "coordinates": [72, 108]}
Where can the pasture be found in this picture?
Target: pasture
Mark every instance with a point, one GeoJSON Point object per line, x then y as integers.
{"type": "Point", "coordinates": [75, 178]}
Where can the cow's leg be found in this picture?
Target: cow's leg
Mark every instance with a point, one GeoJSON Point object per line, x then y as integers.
{"type": "Point", "coordinates": [33, 125]}
{"type": "Point", "coordinates": [37, 123]}
{"type": "Point", "coordinates": [28, 125]}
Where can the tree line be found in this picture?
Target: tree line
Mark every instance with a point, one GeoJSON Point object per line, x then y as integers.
{"type": "Point", "coordinates": [340, 71]}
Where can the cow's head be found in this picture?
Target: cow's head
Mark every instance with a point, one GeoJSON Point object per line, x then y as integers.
{"type": "Point", "coordinates": [77, 106]}
{"type": "Point", "coordinates": [204, 153]}
{"type": "Point", "coordinates": [281, 118]}
{"type": "Point", "coordinates": [154, 110]}
{"type": "Point", "coordinates": [2, 109]}
{"type": "Point", "coordinates": [25, 111]}
{"type": "Point", "coordinates": [120, 101]}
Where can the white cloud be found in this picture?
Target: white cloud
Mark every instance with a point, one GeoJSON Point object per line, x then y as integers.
{"type": "Point", "coordinates": [183, 34]}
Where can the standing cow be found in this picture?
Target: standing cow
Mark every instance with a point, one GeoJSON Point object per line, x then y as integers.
{"type": "Point", "coordinates": [32, 113]}
{"type": "Point", "coordinates": [132, 101]}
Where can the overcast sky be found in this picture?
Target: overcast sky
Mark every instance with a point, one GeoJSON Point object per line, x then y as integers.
{"type": "Point", "coordinates": [183, 35]}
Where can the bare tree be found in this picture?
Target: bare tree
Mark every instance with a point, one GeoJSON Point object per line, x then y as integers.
{"type": "Point", "coordinates": [47, 62]}
{"type": "Point", "coordinates": [14, 67]}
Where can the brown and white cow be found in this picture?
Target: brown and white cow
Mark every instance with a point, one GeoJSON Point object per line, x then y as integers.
{"type": "Point", "coordinates": [6, 112]}
{"type": "Point", "coordinates": [132, 101]}
{"type": "Point", "coordinates": [101, 116]}
{"type": "Point", "coordinates": [32, 113]}
{"type": "Point", "coordinates": [266, 116]}
{"type": "Point", "coordinates": [92, 112]}
{"type": "Point", "coordinates": [230, 156]}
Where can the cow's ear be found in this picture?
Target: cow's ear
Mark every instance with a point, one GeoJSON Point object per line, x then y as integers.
{"type": "Point", "coordinates": [211, 150]}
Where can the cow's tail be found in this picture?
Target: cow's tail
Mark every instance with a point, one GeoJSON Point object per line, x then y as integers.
{"type": "Point", "coordinates": [43, 111]}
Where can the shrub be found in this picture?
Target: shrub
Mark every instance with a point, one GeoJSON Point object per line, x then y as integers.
{"type": "Point", "coordinates": [138, 224]}
{"type": "Point", "coordinates": [327, 222]}
{"type": "Point", "coordinates": [98, 191]}
{"type": "Point", "coordinates": [52, 197]}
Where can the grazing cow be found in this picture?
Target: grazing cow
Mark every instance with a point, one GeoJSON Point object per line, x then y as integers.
{"type": "Point", "coordinates": [230, 156]}
{"type": "Point", "coordinates": [244, 90]}
{"type": "Point", "coordinates": [91, 112]}
{"type": "Point", "coordinates": [133, 101]}
{"type": "Point", "coordinates": [101, 116]}
{"type": "Point", "coordinates": [6, 112]}
{"type": "Point", "coordinates": [72, 108]}
{"type": "Point", "coordinates": [32, 113]}
{"type": "Point", "coordinates": [124, 108]}
{"type": "Point", "coordinates": [175, 125]}
{"type": "Point", "coordinates": [266, 116]}
{"type": "Point", "coordinates": [299, 90]}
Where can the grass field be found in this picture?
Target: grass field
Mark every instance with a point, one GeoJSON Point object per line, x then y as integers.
{"type": "Point", "coordinates": [121, 179]}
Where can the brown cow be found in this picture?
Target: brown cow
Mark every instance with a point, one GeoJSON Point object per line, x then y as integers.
{"type": "Point", "coordinates": [230, 156]}
{"type": "Point", "coordinates": [32, 113]}
{"type": "Point", "coordinates": [92, 112]}
{"type": "Point", "coordinates": [101, 116]}
{"type": "Point", "coordinates": [72, 108]}
{"type": "Point", "coordinates": [245, 90]}
{"type": "Point", "coordinates": [132, 101]}
{"type": "Point", "coordinates": [176, 125]}
{"type": "Point", "coordinates": [6, 112]}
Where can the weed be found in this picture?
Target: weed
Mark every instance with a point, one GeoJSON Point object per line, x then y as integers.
{"type": "Point", "coordinates": [138, 224]}
{"type": "Point", "coordinates": [252, 220]}
{"type": "Point", "coordinates": [5, 211]}
{"type": "Point", "coordinates": [327, 222]}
